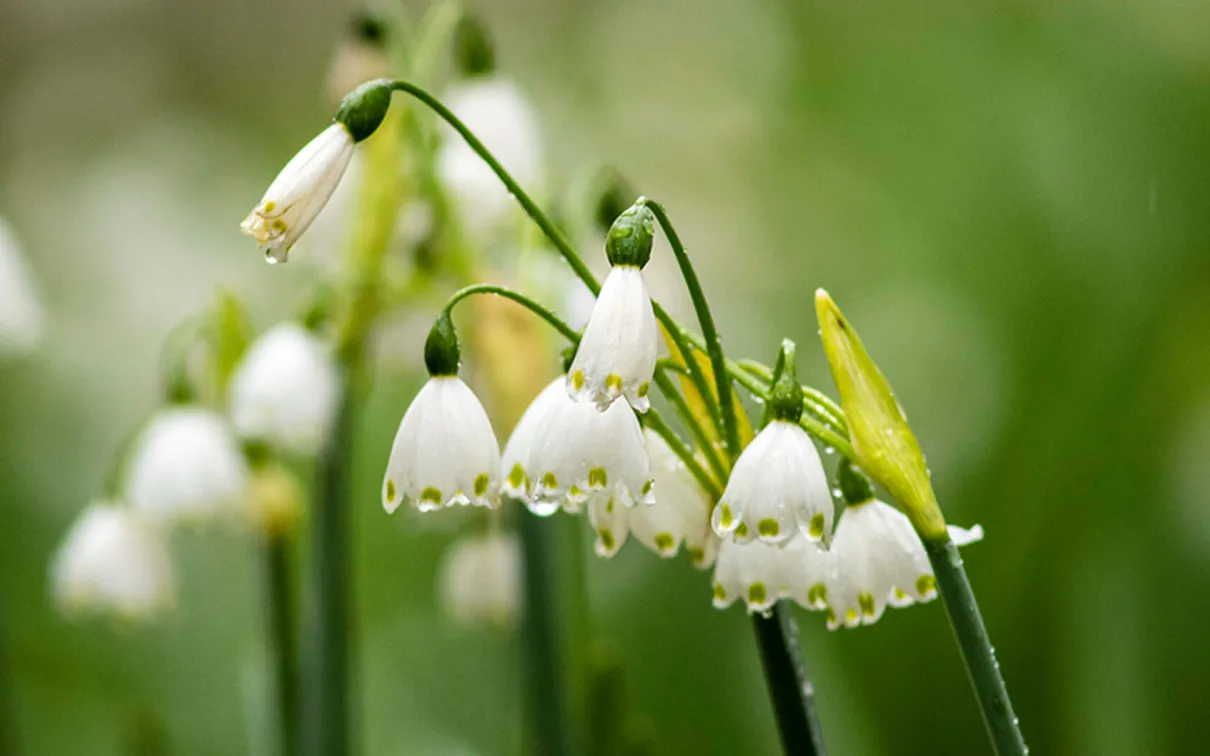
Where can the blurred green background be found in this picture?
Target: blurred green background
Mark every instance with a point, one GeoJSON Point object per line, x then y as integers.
{"type": "Point", "coordinates": [1010, 200]}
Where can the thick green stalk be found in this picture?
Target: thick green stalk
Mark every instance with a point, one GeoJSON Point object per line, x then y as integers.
{"type": "Point", "coordinates": [681, 407]}
{"type": "Point", "coordinates": [791, 690]}
{"type": "Point", "coordinates": [279, 599]}
{"type": "Point", "coordinates": [714, 345]}
{"type": "Point", "coordinates": [1002, 726]}
{"type": "Point", "coordinates": [547, 715]}
{"type": "Point", "coordinates": [327, 703]}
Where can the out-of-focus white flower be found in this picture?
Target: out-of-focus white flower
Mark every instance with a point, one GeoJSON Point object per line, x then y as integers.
{"type": "Point", "coordinates": [564, 452]}
{"type": "Point", "coordinates": [22, 319]}
{"type": "Point", "coordinates": [682, 509]}
{"type": "Point", "coordinates": [186, 466]}
{"type": "Point", "coordinates": [445, 452]}
{"type": "Point", "coordinates": [877, 558]}
{"type": "Point", "coordinates": [300, 192]}
{"type": "Point", "coordinates": [285, 390]}
{"type": "Point", "coordinates": [112, 561]}
{"type": "Point", "coordinates": [618, 351]}
{"type": "Point", "coordinates": [777, 489]}
{"type": "Point", "coordinates": [498, 114]}
{"type": "Point", "coordinates": [760, 573]}
{"type": "Point", "coordinates": [480, 579]}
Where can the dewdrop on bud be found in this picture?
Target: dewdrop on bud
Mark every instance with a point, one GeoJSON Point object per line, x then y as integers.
{"type": "Point", "coordinates": [304, 186]}
{"type": "Point", "coordinates": [186, 466]}
{"type": "Point", "coordinates": [618, 351]}
{"type": "Point", "coordinates": [445, 452]}
{"type": "Point", "coordinates": [113, 562]}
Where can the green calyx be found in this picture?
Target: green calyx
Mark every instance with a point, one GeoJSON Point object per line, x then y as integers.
{"type": "Point", "coordinates": [785, 400]}
{"type": "Point", "coordinates": [441, 352]}
{"type": "Point", "coordinates": [363, 109]}
{"type": "Point", "coordinates": [629, 239]}
{"type": "Point", "coordinates": [476, 56]}
{"type": "Point", "coordinates": [854, 485]}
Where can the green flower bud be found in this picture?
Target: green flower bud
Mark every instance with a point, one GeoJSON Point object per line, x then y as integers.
{"type": "Point", "coordinates": [441, 352]}
{"type": "Point", "coordinates": [476, 56]}
{"type": "Point", "coordinates": [883, 441]}
{"type": "Point", "coordinates": [363, 109]}
{"type": "Point", "coordinates": [629, 239]}
{"type": "Point", "coordinates": [854, 485]}
{"type": "Point", "coordinates": [785, 400]}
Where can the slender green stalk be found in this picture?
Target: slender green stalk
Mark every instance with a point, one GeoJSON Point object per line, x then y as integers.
{"type": "Point", "coordinates": [810, 424]}
{"type": "Point", "coordinates": [652, 420]}
{"type": "Point", "coordinates": [792, 692]}
{"type": "Point", "coordinates": [275, 558]}
{"type": "Point", "coordinates": [816, 401]}
{"type": "Point", "coordinates": [533, 306]}
{"type": "Point", "coordinates": [547, 716]}
{"type": "Point", "coordinates": [714, 345]}
{"type": "Point", "coordinates": [698, 377]}
{"type": "Point", "coordinates": [681, 407]}
{"type": "Point", "coordinates": [971, 634]}
{"type": "Point", "coordinates": [327, 699]}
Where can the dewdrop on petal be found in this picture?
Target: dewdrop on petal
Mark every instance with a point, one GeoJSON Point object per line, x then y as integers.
{"type": "Point", "coordinates": [186, 466]}
{"type": "Point", "coordinates": [445, 452]}
{"type": "Point", "coordinates": [761, 573]}
{"type": "Point", "coordinates": [778, 487]}
{"type": "Point", "coordinates": [285, 389]}
{"type": "Point", "coordinates": [618, 351]}
{"type": "Point", "coordinates": [577, 453]}
{"type": "Point", "coordinates": [480, 579]}
{"type": "Point", "coordinates": [681, 511]}
{"type": "Point", "coordinates": [304, 186]}
{"type": "Point", "coordinates": [877, 557]}
{"type": "Point", "coordinates": [112, 561]}
{"type": "Point", "coordinates": [22, 319]}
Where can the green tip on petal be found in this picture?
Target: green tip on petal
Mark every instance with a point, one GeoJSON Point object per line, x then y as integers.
{"type": "Point", "coordinates": [883, 442]}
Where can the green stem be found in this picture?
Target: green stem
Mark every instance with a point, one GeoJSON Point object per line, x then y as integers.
{"type": "Point", "coordinates": [816, 401]}
{"type": "Point", "coordinates": [810, 424]}
{"type": "Point", "coordinates": [651, 419]}
{"type": "Point", "coordinates": [971, 634]}
{"type": "Point", "coordinates": [533, 306]}
{"type": "Point", "coordinates": [547, 715]}
{"type": "Point", "coordinates": [792, 692]}
{"type": "Point", "coordinates": [531, 208]}
{"type": "Point", "coordinates": [279, 598]}
{"type": "Point", "coordinates": [681, 407]}
{"type": "Point", "coordinates": [714, 345]}
{"type": "Point", "coordinates": [698, 377]}
{"type": "Point", "coordinates": [327, 702]}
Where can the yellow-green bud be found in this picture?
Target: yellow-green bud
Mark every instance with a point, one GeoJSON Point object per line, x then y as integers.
{"type": "Point", "coordinates": [883, 441]}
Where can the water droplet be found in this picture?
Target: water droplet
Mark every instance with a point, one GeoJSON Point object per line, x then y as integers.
{"type": "Point", "coordinates": [828, 450]}
{"type": "Point", "coordinates": [837, 493]}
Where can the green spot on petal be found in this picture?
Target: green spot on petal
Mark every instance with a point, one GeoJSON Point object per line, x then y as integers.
{"type": "Point", "coordinates": [597, 477]}
{"type": "Point", "coordinates": [768, 527]}
{"type": "Point", "coordinates": [851, 615]}
{"type": "Point", "coordinates": [391, 491]}
{"type": "Point", "coordinates": [613, 383]}
{"type": "Point", "coordinates": [720, 593]}
{"type": "Point", "coordinates": [481, 484]}
{"type": "Point", "coordinates": [815, 527]}
{"type": "Point", "coordinates": [606, 536]}
{"type": "Point", "coordinates": [926, 584]}
{"type": "Point", "coordinates": [643, 389]}
{"type": "Point", "coordinates": [516, 476]}
{"type": "Point", "coordinates": [577, 379]}
{"type": "Point", "coordinates": [550, 481]}
{"type": "Point", "coordinates": [742, 530]}
{"type": "Point", "coordinates": [647, 487]}
{"type": "Point", "coordinates": [830, 616]}
{"type": "Point", "coordinates": [817, 594]}
{"type": "Point", "coordinates": [757, 593]}
{"type": "Point", "coordinates": [725, 516]}
{"type": "Point", "coordinates": [866, 602]}
{"type": "Point", "coordinates": [431, 495]}
{"type": "Point", "coordinates": [664, 541]}
{"type": "Point", "coordinates": [697, 555]}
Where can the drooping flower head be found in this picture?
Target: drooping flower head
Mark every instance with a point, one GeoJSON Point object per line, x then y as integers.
{"type": "Point", "coordinates": [480, 579]}
{"type": "Point", "coordinates": [778, 486]}
{"type": "Point", "coordinates": [22, 319]}
{"type": "Point", "coordinates": [618, 351]}
{"type": "Point", "coordinates": [445, 452]}
{"type": "Point", "coordinates": [112, 561]}
{"type": "Point", "coordinates": [285, 390]}
{"type": "Point", "coordinates": [563, 453]}
{"type": "Point", "coordinates": [303, 187]}
{"type": "Point", "coordinates": [681, 512]}
{"type": "Point", "coordinates": [760, 573]}
{"type": "Point", "coordinates": [186, 466]}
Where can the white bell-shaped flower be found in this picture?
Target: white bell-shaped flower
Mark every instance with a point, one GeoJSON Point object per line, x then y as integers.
{"type": "Point", "coordinates": [113, 561]}
{"type": "Point", "coordinates": [877, 558]}
{"type": "Point", "coordinates": [610, 516]}
{"type": "Point", "coordinates": [480, 579]}
{"type": "Point", "coordinates": [682, 509]}
{"type": "Point", "coordinates": [445, 452]}
{"type": "Point", "coordinates": [618, 351]}
{"type": "Point", "coordinates": [22, 319]}
{"type": "Point", "coordinates": [285, 390]}
{"type": "Point", "coordinates": [777, 489]}
{"type": "Point", "coordinates": [760, 573]}
{"type": "Point", "coordinates": [186, 466]}
{"type": "Point", "coordinates": [565, 452]}
{"type": "Point", "coordinates": [299, 192]}
{"type": "Point", "coordinates": [498, 114]}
